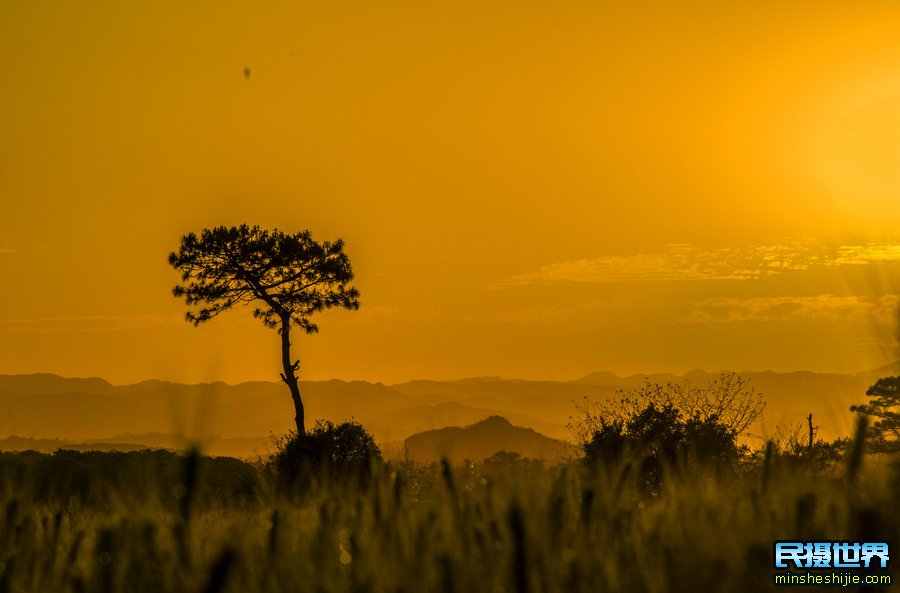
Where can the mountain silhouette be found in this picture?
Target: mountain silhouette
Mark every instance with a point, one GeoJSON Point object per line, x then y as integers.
{"type": "Point", "coordinates": [481, 440]}
{"type": "Point", "coordinates": [15, 386]}
{"type": "Point", "coordinates": [47, 406]}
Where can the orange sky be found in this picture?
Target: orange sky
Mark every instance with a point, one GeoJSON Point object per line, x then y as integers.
{"type": "Point", "coordinates": [534, 190]}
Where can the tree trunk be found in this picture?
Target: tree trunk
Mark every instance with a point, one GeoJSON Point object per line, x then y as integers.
{"type": "Point", "coordinates": [811, 431]}
{"type": "Point", "coordinates": [289, 375]}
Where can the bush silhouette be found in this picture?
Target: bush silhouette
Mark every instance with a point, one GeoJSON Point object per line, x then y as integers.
{"type": "Point", "coordinates": [343, 452]}
{"type": "Point", "coordinates": [655, 428]}
{"type": "Point", "coordinates": [665, 424]}
{"type": "Point", "coordinates": [661, 437]}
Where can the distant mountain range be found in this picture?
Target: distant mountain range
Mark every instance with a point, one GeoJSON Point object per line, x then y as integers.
{"type": "Point", "coordinates": [242, 417]}
{"type": "Point", "coordinates": [248, 448]}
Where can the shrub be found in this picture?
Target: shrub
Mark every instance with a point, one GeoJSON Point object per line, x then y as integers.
{"type": "Point", "coordinates": [661, 426]}
{"type": "Point", "coordinates": [728, 400]}
{"type": "Point", "coordinates": [344, 452]}
{"type": "Point", "coordinates": [659, 437]}
{"type": "Point", "coordinates": [790, 448]}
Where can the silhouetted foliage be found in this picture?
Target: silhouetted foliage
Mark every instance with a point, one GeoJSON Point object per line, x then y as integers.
{"type": "Point", "coordinates": [329, 451]}
{"type": "Point", "coordinates": [790, 448]}
{"type": "Point", "coordinates": [660, 437]}
{"type": "Point", "coordinates": [607, 443]}
{"type": "Point", "coordinates": [658, 426]}
{"type": "Point", "coordinates": [884, 405]}
{"type": "Point", "coordinates": [98, 479]}
{"type": "Point", "coordinates": [510, 462]}
{"type": "Point", "coordinates": [728, 400]}
{"type": "Point", "coordinates": [287, 277]}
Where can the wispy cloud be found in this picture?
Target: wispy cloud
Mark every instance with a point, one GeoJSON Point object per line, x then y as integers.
{"type": "Point", "coordinates": [642, 311]}
{"type": "Point", "coordinates": [825, 307]}
{"type": "Point", "coordinates": [682, 262]}
{"type": "Point", "coordinates": [867, 254]}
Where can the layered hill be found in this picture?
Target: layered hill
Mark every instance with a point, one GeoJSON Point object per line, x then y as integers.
{"type": "Point", "coordinates": [92, 410]}
{"type": "Point", "coordinates": [249, 448]}
{"type": "Point", "coordinates": [482, 440]}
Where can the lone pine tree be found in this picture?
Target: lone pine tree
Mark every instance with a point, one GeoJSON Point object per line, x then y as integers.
{"type": "Point", "coordinates": [885, 406]}
{"type": "Point", "coordinates": [287, 277]}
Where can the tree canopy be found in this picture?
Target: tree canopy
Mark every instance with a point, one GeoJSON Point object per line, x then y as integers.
{"type": "Point", "coordinates": [885, 406]}
{"type": "Point", "coordinates": [287, 277]}
{"type": "Point", "coordinates": [292, 276]}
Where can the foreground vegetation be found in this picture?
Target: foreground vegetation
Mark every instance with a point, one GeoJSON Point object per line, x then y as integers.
{"type": "Point", "coordinates": [156, 521]}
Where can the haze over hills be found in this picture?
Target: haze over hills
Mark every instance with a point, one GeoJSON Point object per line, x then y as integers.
{"type": "Point", "coordinates": [46, 406]}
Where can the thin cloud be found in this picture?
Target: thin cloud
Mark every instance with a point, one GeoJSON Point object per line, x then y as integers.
{"type": "Point", "coordinates": [681, 262]}
{"type": "Point", "coordinates": [867, 254]}
{"type": "Point", "coordinates": [825, 307]}
{"type": "Point", "coordinates": [600, 313]}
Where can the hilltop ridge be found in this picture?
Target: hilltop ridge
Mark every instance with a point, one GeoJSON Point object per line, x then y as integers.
{"type": "Point", "coordinates": [48, 406]}
{"type": "Point", "coordinates": [481, 440]}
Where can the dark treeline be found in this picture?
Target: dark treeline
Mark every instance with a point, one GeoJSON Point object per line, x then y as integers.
{"type": "Point", "coordinates": [99, 479]}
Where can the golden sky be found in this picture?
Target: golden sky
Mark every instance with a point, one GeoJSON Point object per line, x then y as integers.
{"type": "Point", "coordinates": [526, 189]}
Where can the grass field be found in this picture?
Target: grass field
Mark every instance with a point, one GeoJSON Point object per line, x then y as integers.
{"type": "Point", "coordinates": [161, 522]}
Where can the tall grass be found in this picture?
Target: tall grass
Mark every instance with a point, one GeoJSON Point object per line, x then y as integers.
{"type": "Point", "coordinates": [186, 527]}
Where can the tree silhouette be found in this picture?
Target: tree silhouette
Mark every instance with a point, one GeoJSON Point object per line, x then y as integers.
{"type": "Point", "coordinates": [288, 277]}
{"type": "Point", "coordinates": [669, 426]}
{"type": "Point", "coordinates": [728, 400]}
{"type": "Point", "coordinates": [884, 405]}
